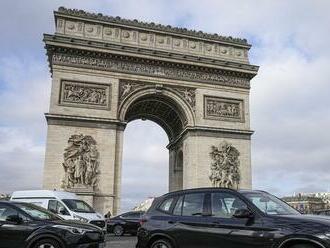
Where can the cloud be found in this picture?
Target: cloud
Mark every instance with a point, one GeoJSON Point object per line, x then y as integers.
{"type": "Point", "coordinates": [289, 97]}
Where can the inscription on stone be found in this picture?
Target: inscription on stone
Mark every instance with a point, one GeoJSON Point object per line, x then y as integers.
{"type": "Point", "coordinates": [223, 108]}
{"type": "Point", "coordinates": [84, 94]}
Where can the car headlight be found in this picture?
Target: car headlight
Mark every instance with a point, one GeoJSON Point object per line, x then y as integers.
{"type": "Point", "coordinates": [82, 219]}
{"type": "Point", "coordinates": [74, 230]}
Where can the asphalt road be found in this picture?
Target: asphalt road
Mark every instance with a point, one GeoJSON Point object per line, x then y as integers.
{"type": "Point", "coordinates": [121, 242]}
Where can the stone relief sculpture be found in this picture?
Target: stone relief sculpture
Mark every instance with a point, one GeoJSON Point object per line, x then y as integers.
{"type": "Point", "coordinates": [80, 162]}
{"type": "Point", "coordinates": [189, 95]}
{"type": "Point", "coordinates": [129, 86]}
{"type": "Point", "coordinates": [126, 87]}
{"type": "Point", "coordinates": [225, 170]}
{"type": "Point", "coordinates": [84, 94]}
{"type": "Point", "coordinates": [222, 108]}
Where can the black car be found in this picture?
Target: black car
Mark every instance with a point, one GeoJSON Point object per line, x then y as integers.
{"type": "Point", "coordinates": [125, 223]}
{"type": "Point", "coordinates": [28, 226]}
{"type": "Point", "coordinates": [215, 217]}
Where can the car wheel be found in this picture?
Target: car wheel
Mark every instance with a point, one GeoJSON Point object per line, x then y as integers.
{"type": "Point", "coordinates": [47, 243]}
{"type": "Point", "coordinates": [161, 243]}
{"type": "Point", "coordinates": [118, 230]}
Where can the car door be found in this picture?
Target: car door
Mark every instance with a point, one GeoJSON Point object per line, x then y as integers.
{"type": "Point", "coordinates": [190, 217]}
{"type": "Point", "coordinates": [225, 230]}
{"type": "Point", "coordinates": [12, 234]}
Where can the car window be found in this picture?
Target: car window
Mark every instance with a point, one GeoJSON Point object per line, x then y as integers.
{"type": "Point", "coordinates": [178, 206]}
{"type": "Point", "coordinates": [36, 212]}
{"type": "Point", "coordinates": [224, 205]}
{"type": "Point", "coordinates": [6, 211]}
{"type": "Point", "coordinates": [56, 207]}
{"type": "Point", "coordinates": [78, 206]}
{"type": "Point", "coordinates": [269, 204]}
{"type": "Point", "coordinates": [166, 205]}
{"type": "Point", "coordinates": [193, 204]}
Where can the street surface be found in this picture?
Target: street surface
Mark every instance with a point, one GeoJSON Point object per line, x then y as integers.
{"type": "Point", "coordinates": [126, 241]}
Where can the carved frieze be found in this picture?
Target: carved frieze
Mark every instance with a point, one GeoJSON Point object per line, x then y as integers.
{"type": "Point", "coordinates": [84, 94]}
{"type": "Point", "coordinates": [226, 109]}
{"type": "Point", "coordinates": [150, 69]}
{"type": "Point", "coordinates": [225, 171]}
{"type": "Point", "coordinates": [127, 32]}
{"type": "Point", "coordinates": [81, 162]}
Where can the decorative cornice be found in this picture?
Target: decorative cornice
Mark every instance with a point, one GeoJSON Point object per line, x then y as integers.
{"type": "Point", "coordinates": [63, 41]}
{"type": "Point", "coordinates": [147, 25]}
{"type": "Point", "coordinates": [148, 67]}
{"type": "Point", "coordinates": [84, 121]}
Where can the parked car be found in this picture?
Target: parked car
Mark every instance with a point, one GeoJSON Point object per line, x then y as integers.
{"type": "Point", "coordinates": [65, 204]}
{"type": "Point", "coordinates": [125, 223]}
{"type": "Point", "coordinates": [24, 225]}
{"type": "Point", "coordinates": [215, 217]}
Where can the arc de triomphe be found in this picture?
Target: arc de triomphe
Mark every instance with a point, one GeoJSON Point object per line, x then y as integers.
{"type": "Point", "coordinates": [109, 71]}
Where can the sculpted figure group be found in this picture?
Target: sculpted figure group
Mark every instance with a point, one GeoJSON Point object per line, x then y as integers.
{"type": "Point", "coordinates": [80, 162]}
{"type": "Point", "coordinates": [225, 166]}
{"type": "Point", "coordinates": [82, 94]}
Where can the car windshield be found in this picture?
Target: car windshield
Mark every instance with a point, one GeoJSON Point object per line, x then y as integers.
{"type": "Point", "coordinates": [78, 206]}
{"type": "Point", "coordinates": [37, 213]}
{"type": "Point", "coordinates": [269, 204]}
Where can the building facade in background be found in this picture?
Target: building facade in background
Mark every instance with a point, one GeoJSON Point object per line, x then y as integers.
{"type": "Point", "coordinates": [109, 71]}
{"type": "Point", "coordinates": [307, 204]}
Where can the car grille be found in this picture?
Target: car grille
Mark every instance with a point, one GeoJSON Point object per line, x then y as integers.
{"type": "Point", "coordinates": [99, 223]}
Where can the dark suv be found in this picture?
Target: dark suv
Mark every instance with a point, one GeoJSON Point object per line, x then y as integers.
{"type": "Point", "coordinates": [23, 225]}
{"type": "Point", "coordinates": [215, 217]}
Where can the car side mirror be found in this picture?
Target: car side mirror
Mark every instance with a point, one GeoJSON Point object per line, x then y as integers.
{"type": "Point", "coordinates": [14, 219]}
{"type": "Point", "coordinates": [243, 213]}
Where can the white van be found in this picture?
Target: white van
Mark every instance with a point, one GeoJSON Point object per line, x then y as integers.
{"type": "Point", "coordinates": [65, 204]}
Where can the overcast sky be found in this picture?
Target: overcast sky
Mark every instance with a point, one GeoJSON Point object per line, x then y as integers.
{"type": "Point", "coordinates": [290, 97]}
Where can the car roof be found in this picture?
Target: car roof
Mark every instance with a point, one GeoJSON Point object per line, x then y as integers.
{"type": "Point", "coordinates": [210, 189]}
{"type": "Point", "coordinates": [26, 194]}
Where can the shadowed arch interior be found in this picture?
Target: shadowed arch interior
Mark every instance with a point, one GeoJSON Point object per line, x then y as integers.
{"type": "Point", "coordinates": [160, 109]}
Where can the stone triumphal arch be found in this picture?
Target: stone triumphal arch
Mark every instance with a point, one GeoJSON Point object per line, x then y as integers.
{"type": "Point", "coordinates": [109, 71]}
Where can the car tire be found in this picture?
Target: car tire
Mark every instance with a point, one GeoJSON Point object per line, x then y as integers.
{"type": "Point", "coordinates": [118, 230]}
{"type": "Point", "coordinates": [161, 243]}
{"type": "Point", "coordinates": [47, 243]}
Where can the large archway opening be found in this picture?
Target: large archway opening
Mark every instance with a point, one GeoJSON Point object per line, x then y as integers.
{"type": "Point", "coordinates": [145, 163]}
{"type": "Point", "coordinates": [151, 166]}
